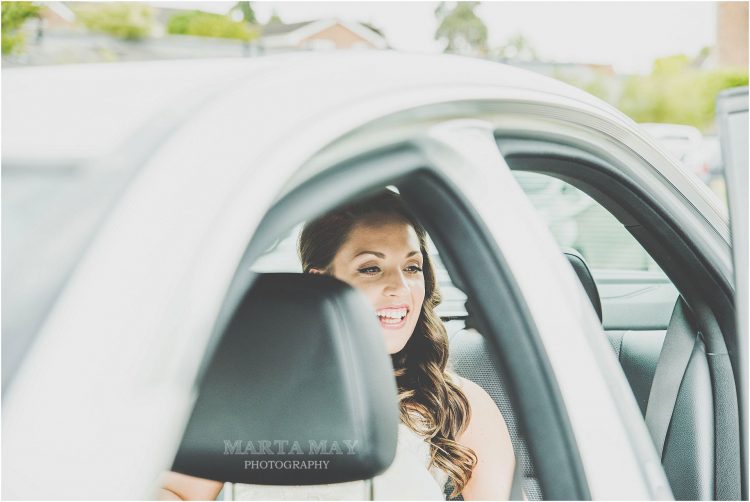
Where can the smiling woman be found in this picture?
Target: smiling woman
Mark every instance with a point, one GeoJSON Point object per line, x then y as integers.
{"type": "Point", "coordinates": [377, 246]}
{"type": "Point", "coordinates": [392, 277]}
{"type": "Point", "coordinates": [452, 437]}
{"type": "Point", "coordinates": [381, 256]}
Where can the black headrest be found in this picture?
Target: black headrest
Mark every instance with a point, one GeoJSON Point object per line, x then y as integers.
{"type": "Point", "coordinates": [300, 390]}
{"type": "Point", "coordinates": [584, 275]}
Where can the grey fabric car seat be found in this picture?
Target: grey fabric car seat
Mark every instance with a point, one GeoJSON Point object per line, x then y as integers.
{"type": "Point", "coordinates": [587, 280]}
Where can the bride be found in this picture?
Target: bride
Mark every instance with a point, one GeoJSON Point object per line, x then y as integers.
{"type": "Point", "coordinates": [451, 431]}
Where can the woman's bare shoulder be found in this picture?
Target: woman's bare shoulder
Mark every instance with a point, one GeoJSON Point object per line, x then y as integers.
{"type": "Point", "coordinates": [487, 435]}
{"type": "Point", "coordinates": [485, 417]}
{"type": "Point", "coordinates": [477, 396]}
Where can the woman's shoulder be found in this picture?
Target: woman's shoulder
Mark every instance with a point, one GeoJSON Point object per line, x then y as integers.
{"type": "Point", "coordinates": [487, 435]}
{"type": "Point", "coordinates": [484, 412]}
{"type": "Point", "coordinates": [474, 393]}
{"type": "Point", "coordinates": [478, 398]}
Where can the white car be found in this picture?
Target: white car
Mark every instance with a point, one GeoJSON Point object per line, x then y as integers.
{"type": "Point", "coordinates": [137, 197]}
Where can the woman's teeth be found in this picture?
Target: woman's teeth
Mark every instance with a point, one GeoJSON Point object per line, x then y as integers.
{"type": "Point", "coordinates": [392, 315]}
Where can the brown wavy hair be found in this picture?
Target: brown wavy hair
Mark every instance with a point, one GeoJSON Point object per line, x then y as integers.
{"type": "Point", "coordinates": [431, 402]}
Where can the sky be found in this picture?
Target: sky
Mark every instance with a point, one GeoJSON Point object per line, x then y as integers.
{"type": "Point", "coordinates": [627, 35]}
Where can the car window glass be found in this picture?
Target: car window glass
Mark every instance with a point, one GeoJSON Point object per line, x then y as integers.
{"type": "Point", "coordinates": [578, 222]}
{"type": "Point", "coordinates": [634, 292]}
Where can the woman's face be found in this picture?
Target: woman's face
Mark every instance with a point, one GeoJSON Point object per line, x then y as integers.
{"type": "Point", "coordinates": [383, 260]}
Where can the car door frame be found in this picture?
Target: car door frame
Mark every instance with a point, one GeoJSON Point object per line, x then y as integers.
{"type": "Point", "coordinates": [731, 105]}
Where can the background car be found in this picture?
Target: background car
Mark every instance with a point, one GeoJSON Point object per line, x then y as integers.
{"type": "Point", "coordinates": [707, 158]}
{"type": "Point", "coordinates": [679, 140]}
{"type": "Point", "coordinates": [698, 153]}
{"type": "Point", "coordinates": [201, 167]}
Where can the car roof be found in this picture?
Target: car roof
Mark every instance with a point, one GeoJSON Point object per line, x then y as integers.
{"type": "Point", "coordinates": [68, 114]}
{"type": "Point", "coordinates": [114, 117]}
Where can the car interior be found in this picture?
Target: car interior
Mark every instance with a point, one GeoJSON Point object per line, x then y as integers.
{"type": "Point", "coordinates": [680, 372]}
{"type": "Point", "coordinates": [667, 334]}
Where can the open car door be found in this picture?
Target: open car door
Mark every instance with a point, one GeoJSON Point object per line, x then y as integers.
{"type": "Point", "coordinates": [731, 115]}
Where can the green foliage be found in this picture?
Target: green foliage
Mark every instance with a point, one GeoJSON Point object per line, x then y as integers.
{"type": "Point", "coordinates": [204, 24]}
{"type": "Point", "coordinates": [14, 14]}
{"type": "Point", "coordinates": [677, 93]}
{"type": "Point", "coordinates": [461, 28]}
{"type": "Point", "coordinates": [517, 48]}
{"type": "Point", "coordinates": [274, 19]}
{"type": "Point", "coordinates": [671, 65]}
{"type": "Point", "coordinates": [248, 14]}
{"type": "Point", "coordinates": [126, 20]}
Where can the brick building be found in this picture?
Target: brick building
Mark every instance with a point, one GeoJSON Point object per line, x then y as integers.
{"type": "Point", "coordinates": [320, 35]}
{"type": "Point", "coordinates": [731, 34]}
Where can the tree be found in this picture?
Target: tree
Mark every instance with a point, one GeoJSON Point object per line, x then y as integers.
{"type": "Point", "coordinates": [126, 20]}
{"type": "Point", "coordinates": [274, 19]}
{"type": "Point", "coordinates": [461, 28]}
{"type": "Point", "coordinates": [248, 14]}
{"type": "Point", "coordinates": [671, 65]}
{"type": "Point", "coordinates": [676, 92]}
{"type": "Point", "coordinates": [517, 48]}
{"type": "Point", "coordinates": [205, 24]}
{"type": "Point", "coordinates": [14, 15]}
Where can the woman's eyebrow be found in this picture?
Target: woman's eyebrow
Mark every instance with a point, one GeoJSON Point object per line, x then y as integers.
{"type": "Point", "coordinates": [381, 255]}
{"type": "Point", "coordinates": [376, 253]}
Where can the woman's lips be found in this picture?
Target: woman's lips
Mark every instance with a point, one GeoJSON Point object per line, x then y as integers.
{"type": "Point", "coordinates": [393, 317]}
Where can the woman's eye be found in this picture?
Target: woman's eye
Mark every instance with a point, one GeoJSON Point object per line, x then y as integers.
{"type": "Point", "coordinates": [369, 270]}
{"type": "Point", "coordinates": [414, 269]}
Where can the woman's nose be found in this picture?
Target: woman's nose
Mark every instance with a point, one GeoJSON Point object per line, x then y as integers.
{"type": "Point", "coordinates": [396, 283]}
